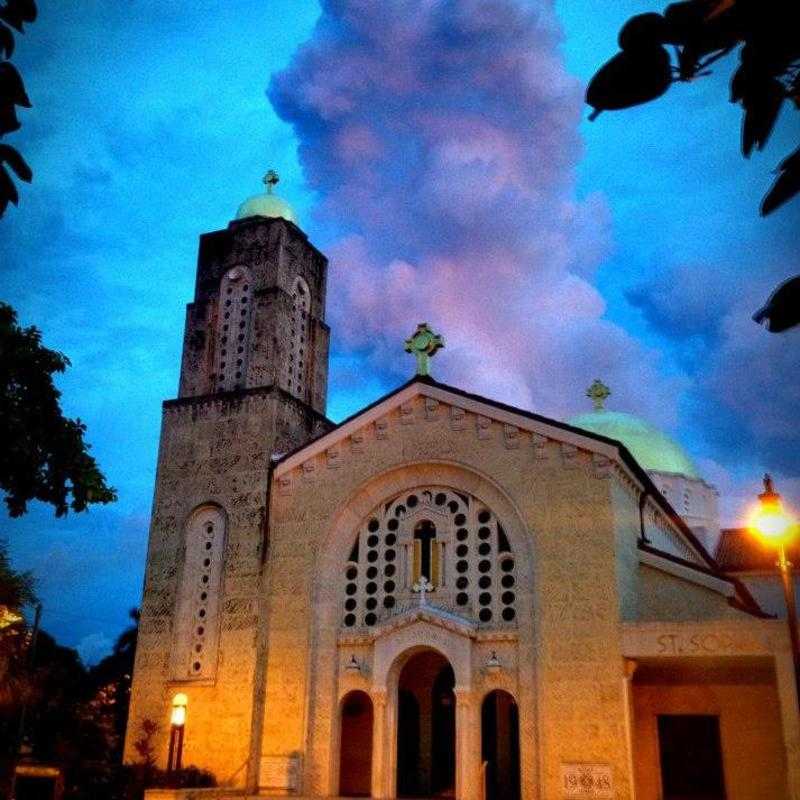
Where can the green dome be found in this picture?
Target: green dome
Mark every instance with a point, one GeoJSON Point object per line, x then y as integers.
{"type": "Point", "coordinates": [266, 205]}
{"type": "Point", "coordinates": [650, 447]}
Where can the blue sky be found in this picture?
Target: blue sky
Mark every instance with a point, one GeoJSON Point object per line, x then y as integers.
{"type": "Point", "coordinates": [153, 120]}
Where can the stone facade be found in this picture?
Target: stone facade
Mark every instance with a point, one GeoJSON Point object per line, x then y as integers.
{"type": "Point", "coordinates": [317, 590]}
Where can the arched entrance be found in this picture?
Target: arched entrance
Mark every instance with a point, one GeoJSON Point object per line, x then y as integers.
{"type": "Point", "coordinates": [355, 749]}
{"type": "Point", "coordinates": [426, 727]}
{"type": "Point", "coordinates": [500, 745]}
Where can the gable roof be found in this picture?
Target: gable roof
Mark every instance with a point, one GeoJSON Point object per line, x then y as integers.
{"type": "Point", "coordinates": [421, 385]}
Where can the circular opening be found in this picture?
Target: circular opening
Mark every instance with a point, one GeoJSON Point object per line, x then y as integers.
{"type": "Point", "coordinates": [440, 498]}
{"type": "Point", "coordinates": [484, 533]}
{"type": "Point", "coordinates": [351, 573]}
{"type": "Point", "coordinates": [509, 614]}
{"type": "Point", "coordinates": [412, 501]}
{"type": "Point", "coordinates": [507, 565]}
{"type": "Point", "coordinates": [462, 550]}
{"type": "Point", "coordinates": [484, 566]}
{"type": "Point", "coordinates": [389, 570]}
{"type": "Point", "coordinates": [371, 587]}
{"type": "Point", "coordinates": [484, 548]}
{"type": "Point", "coordinates": [485, 615]}
{"type": "Point", "coordinates": [350, 620]}
{"type": "Point", "coordinates": [372, 541]}
{"type": "Point", "coordinates": [392, 524]}
{"type": "Point", "coordinates": [507, 581]}
{"type": "Point", "coordinates": [373, 525]}
{"type": "Point", "coordinates": [390, 555]}
{"type": "Point", "coordinates": [388, 602]}
{"type": "Point", "coordinates": [462, 598]}
{"type": "Point", "coordinates": [350, 589]}
{"type": "Point", "coordinates": [508, 598]}
{"type": "Point", "coordinates": [370, 619]}
{"type": "Point", "coordinates": [372, 556]}
{"type": "Point", "coordinates": [350, 603]}
{"type": "Point", "coordinates": [462, 566]}
{"type": "Point", "coordinates": [372, 572]}
{"type": "Point", "coordinates": [485, 582]}
{"type": "Point", "coordinates": [459, 519]}
{"type": "Point", "coordinates": [484, 517]}
{"type": "Point", "coordinates": [462, 534]}
{"type": "Point", "coordinates": [371, 603]}
{"type": "Point", "coordinates": [453, 506]}
{"type": "Point", "coordinates": [462, 582]}
{"type": "Point", "coordinates": [390, 539]}
{"type": "Point", "coordinates": [485, 598]}
{"type": "Point", "coordinates": [389, 587]}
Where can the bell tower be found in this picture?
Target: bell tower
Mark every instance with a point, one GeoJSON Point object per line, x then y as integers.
{"type": "Point", "coordinates": [258, 314]}
{"type": "Point", "coordinates": [253, 382]}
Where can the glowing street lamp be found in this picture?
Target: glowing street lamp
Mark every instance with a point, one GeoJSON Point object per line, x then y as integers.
{"type": "Point", "coordinates": [775, 526]}
{"type": "Point", "coordinates": [176, 728]}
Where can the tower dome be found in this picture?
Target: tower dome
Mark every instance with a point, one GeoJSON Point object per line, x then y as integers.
{"type": "Point", "coordinates": [652, 449]}
{"type": "Point", "coordinates": [268, 204]}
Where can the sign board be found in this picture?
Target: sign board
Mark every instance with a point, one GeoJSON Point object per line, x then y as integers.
{"type": "Point", "coordinates": [587, 782]}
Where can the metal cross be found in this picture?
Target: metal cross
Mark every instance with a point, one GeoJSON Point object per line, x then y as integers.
{"type": "Point", "coordinates": [421, 586]}
{"type": "Point", "coordinates": [424, 344]}
{"type": "Point", "coordinates": [599, 393]}
{"type": "Point", "coordinates": [271, 180]}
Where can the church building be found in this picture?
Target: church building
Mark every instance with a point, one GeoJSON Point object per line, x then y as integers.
{"type": "Point", "coordinates": [441, 596]}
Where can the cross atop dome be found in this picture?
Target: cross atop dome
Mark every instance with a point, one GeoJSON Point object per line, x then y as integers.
{"type": "Point", "coordinates": [598, 393]}
{"type": "Point", "coordinates": [271, 180]}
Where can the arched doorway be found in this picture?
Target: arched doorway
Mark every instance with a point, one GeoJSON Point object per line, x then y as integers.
{"type": "Point", "coordinates": [500, 745]}
{"type": "Point", "coordinates": [426, 727]}
{"type": "Point", "coordinates": [355, 748]}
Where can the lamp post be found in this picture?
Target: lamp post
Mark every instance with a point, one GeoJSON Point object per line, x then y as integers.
{"type": "Point", "coordinates": [773, 524]}
{"type": "Point", "coordinates": [177, 725]}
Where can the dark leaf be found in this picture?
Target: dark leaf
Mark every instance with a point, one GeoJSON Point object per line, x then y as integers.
{"type": "Point", "coordinates": [786, 185]}
{"type": "Point", "coordinates": [12, 89]}
{"type": "Point", "coordinates": [782, 310]}
{"type": "Point", "coordinates": [643, 30]}
{"type": "Point", "coordinates": [8, 191]}
{"type": "Point", "coordinates": [14, 160]}
{"type": "Point", "coordinates": [17, 12]}
{"type": "Point", "coordinates": [630, 78]}
{"type": "Point", "coordinates": [762, 104]}
{"type": "Point", "coordinates": [6, 41]}
{"type": "Point", "coordinates": [8, 118]}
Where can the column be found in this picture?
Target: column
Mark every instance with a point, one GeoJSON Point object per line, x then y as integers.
{"type": "Point", "coordinates": [468, 745]}
{"type": "Point", "coordinates": [380, 744]}
{"type": "Point", "coordinates": [628, 669]}
{"type": "Point", "coordinates": [787, 696]}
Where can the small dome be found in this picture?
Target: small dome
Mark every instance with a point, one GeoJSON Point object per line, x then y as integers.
{"type": "Point", "coordinates": [267, 204]}
{"type": "Point", "coordinates": [652, 449]}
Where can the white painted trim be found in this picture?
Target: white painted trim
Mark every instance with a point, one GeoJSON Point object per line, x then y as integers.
{"type": "Point", "coordinates": [687, 573]}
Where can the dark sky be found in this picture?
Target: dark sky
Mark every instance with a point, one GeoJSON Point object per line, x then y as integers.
{"type": "Point", "coordinates": [440, 154]}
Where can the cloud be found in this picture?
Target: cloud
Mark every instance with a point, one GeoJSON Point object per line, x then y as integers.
{"type": "Point", "coordinates": [441, 138]}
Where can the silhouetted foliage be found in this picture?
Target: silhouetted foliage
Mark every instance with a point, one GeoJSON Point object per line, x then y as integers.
{"type": "Point", "coordinates": [16, 591]}
{"type": "Point", "coordinates": [76, 719]}
{"type": "Point", "coordinates": [13, 14]}
{"type": "Point", "coordinates": [44, 456]}
{"type": "Point", "coordinates": [782, 310]}
{"type": "Point", "coordinates": [702, 31]}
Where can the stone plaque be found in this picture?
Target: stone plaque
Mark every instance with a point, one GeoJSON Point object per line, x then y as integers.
{"type": "Point", "coordinates": [587, 782]}
{"type": "Point", "coordinates": [279, 773]}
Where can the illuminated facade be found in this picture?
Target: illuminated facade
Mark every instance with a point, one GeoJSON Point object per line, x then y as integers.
{"type": "Point", "coordinates": [441, 596]}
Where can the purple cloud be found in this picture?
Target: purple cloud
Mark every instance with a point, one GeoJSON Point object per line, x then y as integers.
{"type": "Point", "coordinates": [442, 137]}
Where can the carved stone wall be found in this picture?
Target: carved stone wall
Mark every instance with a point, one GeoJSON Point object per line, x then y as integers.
{"type": "Point", "coordinates": [557, 509]}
